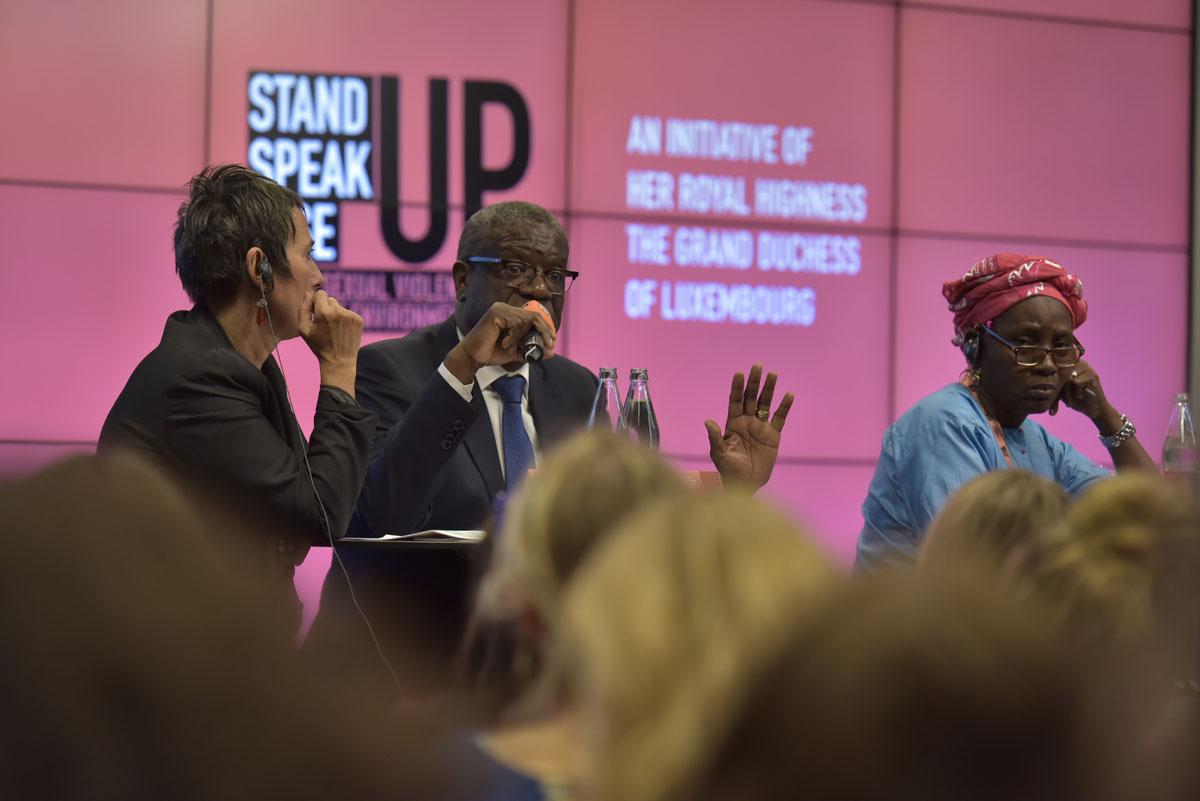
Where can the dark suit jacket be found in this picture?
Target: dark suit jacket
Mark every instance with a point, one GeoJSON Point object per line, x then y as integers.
{"type": "Point", "coordinates": [197, 406]}
{"type": "Point", "coordinates": [434, 465]}
{"type": "Point", "coordinates": [434, 462]}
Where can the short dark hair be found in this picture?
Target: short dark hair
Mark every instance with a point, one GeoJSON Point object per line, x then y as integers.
{"type": "Point", "coordinates": [486, 226]}
{"type": "Point", "coordinates": [230, 209]}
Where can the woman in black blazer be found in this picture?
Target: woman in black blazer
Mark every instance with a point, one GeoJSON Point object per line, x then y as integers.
{"type": "Point", "coordinates": [210, 401]}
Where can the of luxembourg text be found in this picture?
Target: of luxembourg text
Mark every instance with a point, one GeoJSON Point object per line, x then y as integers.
{"type": "Point", "coordinates": [712, 302]}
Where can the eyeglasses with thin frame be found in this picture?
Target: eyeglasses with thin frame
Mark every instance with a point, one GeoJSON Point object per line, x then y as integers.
{"type": "Point", "coordinates": [516, 273]}
{"type": "Point", "coordinates": [1033, 355]}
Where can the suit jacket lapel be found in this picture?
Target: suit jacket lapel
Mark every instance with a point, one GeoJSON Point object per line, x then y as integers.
{"type": "Point", "coordinates": [551, 417]}
{"type": "Point", "coordinates": [275, 405]}
{"type": "Point", "coordinates": [479, 440]}
{"type": "Point", "coordinates": [444, 339]}
{"type": "Point", "coordinates": [280, 411]}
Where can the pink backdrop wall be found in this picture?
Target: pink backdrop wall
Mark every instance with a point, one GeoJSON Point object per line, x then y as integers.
{"type": "Point", "coordinates": [1053, 127]}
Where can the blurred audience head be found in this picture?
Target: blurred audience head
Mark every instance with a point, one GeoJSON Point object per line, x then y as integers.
{"type": "Point", "coordinates": [1121, 571]}
{"type": "Point", "coordinates": [998, 518]}
{"type": "Point", "coordinates": [921, 687]}
{"type": "Point", "coordinates": [581, 491]}
{"type": "Point", "coordinates": [142, 660]}
{"type": "Point", "coordinates": [668, 622]}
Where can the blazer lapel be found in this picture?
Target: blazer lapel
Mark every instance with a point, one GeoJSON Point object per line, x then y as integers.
{"type": "Point", "coordinates": [551, 416]}
{"type": "Point", "coordinates": [444, 340]}
{"type": "Point", "coordinates": [480, 442]}
{"type": "Point", "coordinates": [276, 407]}
{"type": "Point", "coordinates": [279, 413]}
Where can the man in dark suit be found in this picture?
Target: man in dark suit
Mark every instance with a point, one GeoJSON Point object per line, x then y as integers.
{"type": "Point", "coordinates": [443, 467]}
{"type": "Point", "coordinates": [462, 417]}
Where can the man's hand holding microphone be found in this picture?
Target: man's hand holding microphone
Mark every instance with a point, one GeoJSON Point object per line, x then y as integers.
{"type": "Point", "coordinates": [504, 335]}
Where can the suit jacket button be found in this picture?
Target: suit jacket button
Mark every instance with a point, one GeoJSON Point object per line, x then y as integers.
{"type": "Point", "coordinates": [447, 444]}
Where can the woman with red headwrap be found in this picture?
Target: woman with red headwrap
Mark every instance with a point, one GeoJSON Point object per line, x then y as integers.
{"type": "Point", "coordinates": [1014, 319]}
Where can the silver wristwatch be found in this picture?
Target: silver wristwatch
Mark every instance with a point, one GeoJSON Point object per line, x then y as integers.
{"type": "Point", "coordinates": [1118, 439]}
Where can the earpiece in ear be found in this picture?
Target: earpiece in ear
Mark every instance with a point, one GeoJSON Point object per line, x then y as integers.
{"type": "Point", "coordinates": [266, 275]}
{"type": "Point", "coordinates": [970, 347]}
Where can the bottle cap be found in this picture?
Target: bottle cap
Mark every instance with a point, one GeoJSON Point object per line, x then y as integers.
{"type": "Point", "coordinates": [1182, 397]}
{"type": "Point", "coordinates": [639, 372]}
{"type": "Point", "coordinates": [608, 372]}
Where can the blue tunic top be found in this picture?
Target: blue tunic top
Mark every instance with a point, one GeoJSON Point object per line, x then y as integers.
{"type": "Point", "coordinates": [937, 446]}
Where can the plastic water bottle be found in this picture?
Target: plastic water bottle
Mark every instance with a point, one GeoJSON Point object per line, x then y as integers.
{"type": "Point", "coordinates": [606, 406]}
{"type": "Point", "coordinates": [639, 417]}
{"type": "Point", "coordinates": [1179, 446]}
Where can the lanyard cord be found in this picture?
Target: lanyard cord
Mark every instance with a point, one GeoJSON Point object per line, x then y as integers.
{"type": "Point", "coordinates": [997, 431]}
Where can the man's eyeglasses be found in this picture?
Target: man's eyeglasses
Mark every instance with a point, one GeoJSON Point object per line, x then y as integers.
{"type": "Point", "coordinates": [518, 273]}
{"type": "Point", "coordinates": [1034, 355]}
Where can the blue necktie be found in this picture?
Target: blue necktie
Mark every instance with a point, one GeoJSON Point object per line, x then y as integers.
{"type": "Point", "coordinates": [518, 450]}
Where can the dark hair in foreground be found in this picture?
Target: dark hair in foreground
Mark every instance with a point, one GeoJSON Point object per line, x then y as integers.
{"type": "Point", "coordinates": [230, 209]}
{"type": "Point", "coordinates": [141, 660]}
{"type": "Point", "coordinates": [929, 688]}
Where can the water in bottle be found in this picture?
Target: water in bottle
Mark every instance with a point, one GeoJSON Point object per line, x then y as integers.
{"type": "Point", "coordinates": [1179, 445]}
{"type": "Point", "coordinates": [606, 406]}
{"type": "Point", "coordinates": [639, 417]}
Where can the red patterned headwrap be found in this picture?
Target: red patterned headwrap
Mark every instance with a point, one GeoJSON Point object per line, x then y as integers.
{"type": "Point", "coordinates": [997, 283]}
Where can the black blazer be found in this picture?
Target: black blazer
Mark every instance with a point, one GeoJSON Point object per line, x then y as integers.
{"type": "Point", "coordinates": [433, 461]}
{"type": "Point", "coordinates": [196, 405]}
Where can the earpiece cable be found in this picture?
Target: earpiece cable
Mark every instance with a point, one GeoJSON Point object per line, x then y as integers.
{"type": "Point", "coordinates": [321, 505]}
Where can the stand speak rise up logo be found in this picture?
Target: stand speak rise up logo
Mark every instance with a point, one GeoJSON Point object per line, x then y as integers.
{"type": "Point", "coordinates": [315, 134]}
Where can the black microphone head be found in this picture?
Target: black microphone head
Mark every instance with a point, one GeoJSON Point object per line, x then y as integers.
{"type": "Point", "coordinates": [531, 351]}
{"type": "Point", "coordinates": [532, 346]}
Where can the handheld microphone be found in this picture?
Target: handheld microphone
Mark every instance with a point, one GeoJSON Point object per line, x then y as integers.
{"type": "Point", "coordinates": [532, 346]}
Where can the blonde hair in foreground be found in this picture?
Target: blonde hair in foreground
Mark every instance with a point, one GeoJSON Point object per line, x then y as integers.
{"type": "Point", "coordinates": [583, 490]}
{"type": "Point", "coordinates": [669, 621]}
{"type": "Point", "coordinates": [1122, 569]}
{"type": "Point", "coordinates": [999, 518]}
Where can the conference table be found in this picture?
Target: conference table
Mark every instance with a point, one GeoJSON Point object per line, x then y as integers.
{"type": "Point", "coordinates": [415, 590]}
